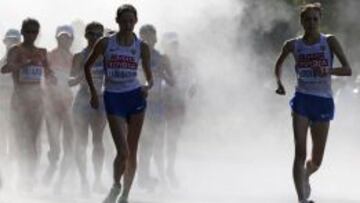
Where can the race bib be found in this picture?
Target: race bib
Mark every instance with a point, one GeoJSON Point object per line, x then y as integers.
{"type": "Point", "coordinates": [97, 73]}
{"type": "Point", "coordinates": [121, 75]}
{"type": "Point", "coordinates": [30, 73]}
{"type": "Point", "coordinates": [306, 74]}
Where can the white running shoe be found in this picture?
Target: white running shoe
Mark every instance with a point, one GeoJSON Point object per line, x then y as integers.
{"type": "Point", "coordinates": [123, 200]}
{"type": "Point", "coordinates": [306, 201]}
{"type": "Point", "coordinates": [113, 194]}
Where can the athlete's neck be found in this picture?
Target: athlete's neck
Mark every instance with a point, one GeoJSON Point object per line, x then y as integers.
{"type": "Point", "coordinates": [28, 45]}
{"type": "Point", "coordinates": [63, 49]}
{"type": "Point", "coordinates": [311, 38]}
{"type": "Point", "coordinates": [125, 38]}
{"type": "Point", "coordinates": [90, 45]}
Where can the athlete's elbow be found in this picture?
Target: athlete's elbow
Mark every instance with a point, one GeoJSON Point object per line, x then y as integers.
{"type": "Point", "coordinates": [350, 71]}
{"type": "Point", "coordinates": [4, 70]}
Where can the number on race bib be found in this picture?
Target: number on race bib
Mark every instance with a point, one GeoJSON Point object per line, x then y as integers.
{"type": "Point", "coordinates": [30, 74]}
{"type": "Point", "coordinates": [121, 75]}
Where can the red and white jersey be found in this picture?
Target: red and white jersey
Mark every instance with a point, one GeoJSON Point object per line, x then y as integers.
{"type": "Point", "coordinates": [309, 57]}
{"type": "Point", "coordinates": [121, 64]}
{"type": "Point", "coordinates": [33, 71]}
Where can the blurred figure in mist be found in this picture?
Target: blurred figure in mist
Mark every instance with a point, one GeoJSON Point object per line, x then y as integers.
{"type": "Point", "coordinates": [28, 65]}
{"type": "Point", "coordinates": [176, 99]}
{"type": "Point", "coordinates": [79, 43]}
{"type": "Point", "coordinates": [7, 147]}
{"type": "Point", "coordinates": [152, 140]}
{"type": "Point", "coordinates": [12, 37]}
{"type": "Point", "coordinates": [58, 108]}
{"type": "Point", "coordinates": [85, 116]}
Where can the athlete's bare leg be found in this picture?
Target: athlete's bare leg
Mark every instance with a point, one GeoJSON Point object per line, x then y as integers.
{"type": "Point", "coordinates": [135, 123]}
{"type": "Point", "coordinates": [300, 127]}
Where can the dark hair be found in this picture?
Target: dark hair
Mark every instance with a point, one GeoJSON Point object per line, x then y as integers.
{"type": "Point", "coordinates": [147, 28]}
{"type": "Point", "coordinates": [30, 21]}
{"type": "Point", "coordinates": [126, 8]}
{"type": "Point", "coordinates": [307, 7]}
{"type": "Point", "coordinates": [92, 25]}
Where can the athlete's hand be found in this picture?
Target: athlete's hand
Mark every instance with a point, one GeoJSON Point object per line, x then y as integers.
{"type": "Point", "coordinates": [53, 79]}
{"type": "Point", "coordinates": [280, 89]}
{"type": "Point", "coordinates": [145, 90]}
{"type": "Point", "coordinates": [94, 101]}
{"type": "Point", "coordinates": [321, 71]}
{"type": "Point", "coordinates": [74, 81]}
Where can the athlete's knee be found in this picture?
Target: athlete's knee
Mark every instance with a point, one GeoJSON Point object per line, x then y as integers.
{"type": "Point", "coordinates": [80, 149]}
{"type": "Point", "coordinates": [300, 155]}
{"type": "Point", "coordinates": [132, 162]}
{"type": "Point", "coordinates": [98, 143]}
{"type": "Point", "coordinates": [54, 155]}
{"type": "Point", "coordinates": [313, 164]}
{"type": "Point", "coordinates": [122, 155]}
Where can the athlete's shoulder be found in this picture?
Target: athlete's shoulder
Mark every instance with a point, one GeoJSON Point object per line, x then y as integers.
{"type": "Point", "coordinates": [330, 37]}
{"type": "Point", "coordinates": [332, 41]}
{"type": "Point", "coordinates": [42, 50]}
{"type": "Point", "coordinates": [290, 44]}
{"type": "Point", "coordinates": [143, 45]}
{"type": "Point", "coordinates": [16, 47]}
{"type": "Point", "coordinates": [15, 50]}
{"type": "Point", "coordinates": [52, 52]}
{"type": "Point", "coordinates": [103, 42]}
{"type": "Point", "coordinates": [78, 55]}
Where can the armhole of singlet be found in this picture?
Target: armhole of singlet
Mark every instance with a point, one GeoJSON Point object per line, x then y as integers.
{"type": "Point", "coordinates": [109, 43]}
{"type": "Point", "coordinates": [139, 44]}
{"type": "Point", "coordinates": [295, 45]}
{"type": "Point", "coordinates": [108, 46]}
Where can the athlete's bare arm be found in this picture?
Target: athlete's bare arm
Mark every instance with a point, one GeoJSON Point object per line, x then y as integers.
{"type": "Point", "coordinates": [335, 46]}
{"type": "Point", "coordinates": [145, 59]}
{"type": "Point", "coordinates": [76, 73]}
{"type": "Point", "coordinates": [286, 49]}
{"type": "Point", "coordinates": [48, 72]}
{"type": "Point", "coordinates": [99, 49]}
{"type": "Point", "coordinates": [12, 64]}
{"type": "Point", "coordinates": [166, 70]}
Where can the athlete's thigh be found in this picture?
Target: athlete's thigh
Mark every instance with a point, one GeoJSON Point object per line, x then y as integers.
{"type": "Point", "coordinates": [97, 125]}
{"type": "Point", "coordinates": [319, 134]}
{"type": "Point", "coordinates": [118, 130]}
{"type": "Point", "coordinates": [135, 124]}
{"type": "Point", "coordinates": [300, 128]}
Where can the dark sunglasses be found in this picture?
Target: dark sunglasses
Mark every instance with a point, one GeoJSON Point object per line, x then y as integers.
{"type": "Point", "coordinates": [31, 31]}
{"type": "Point", "coordinates": [95, 34]}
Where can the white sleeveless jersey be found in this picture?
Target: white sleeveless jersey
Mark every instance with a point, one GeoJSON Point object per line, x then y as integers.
{"type": "Point", "coordinates": [308, 57]}
{"type": "Point", "coordinates": [121, 65]}
{"type": "Point", "coordinates": [155, 63]}
{"type": "Point", "coordinates": [97, 73]}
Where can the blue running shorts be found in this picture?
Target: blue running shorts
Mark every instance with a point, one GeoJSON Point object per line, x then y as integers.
{"type": "Point", "coordinates": [315, 108]}
{"type": "Point", "coordinates": [124, 104]}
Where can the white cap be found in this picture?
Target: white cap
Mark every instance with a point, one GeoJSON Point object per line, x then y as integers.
{"type": "Point", "coordinates": [12, 34]}
{"type": "Point", "coordinates": [65, 29]}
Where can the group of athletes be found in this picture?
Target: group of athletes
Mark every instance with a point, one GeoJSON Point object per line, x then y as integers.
{"type": "Point", "coordinates": [107, 73]}
{"type": "Point", "coordinates": [109, 91]}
